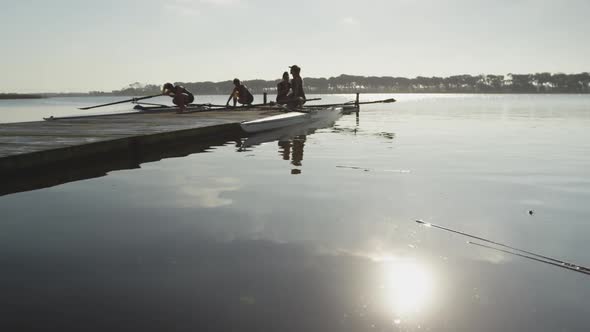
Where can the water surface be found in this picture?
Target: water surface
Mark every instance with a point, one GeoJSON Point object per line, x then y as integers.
{"type": "Point", "coordinates": [316, 231]}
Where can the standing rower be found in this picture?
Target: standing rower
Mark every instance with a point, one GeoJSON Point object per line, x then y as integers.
{"type": "Point", "coordinates": [297, 95]}
{"type": "Point", "coordinates": [283, 90]}
{"type": "Point", "coordinates": [181, 97]}
{"type": "Point", "coordinates": [240, 94]}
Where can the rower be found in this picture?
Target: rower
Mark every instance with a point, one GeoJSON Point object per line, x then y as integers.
{"type": "Point", "coordinates": [297, 95]}
{"type": "Point", "coordinates": [283, 89]}
{"type": "Point", "coordinates": [240, 94]}
{"type": "Point", "coordinates": [181, 97]}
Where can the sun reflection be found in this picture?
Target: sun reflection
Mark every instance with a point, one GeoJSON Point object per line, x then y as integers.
{"type": "Point", "coordinates": [407, 286]}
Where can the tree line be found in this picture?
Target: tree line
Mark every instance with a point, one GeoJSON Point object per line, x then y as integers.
{"type": "Point", "coordinates": [510, 83]}
{"type": "Point", "coordinates": [20, 96]}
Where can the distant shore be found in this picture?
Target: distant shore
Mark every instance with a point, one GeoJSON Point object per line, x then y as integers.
{"type": "Point", "coordinates": [538, 83]}
{"type": "Point", "coordinates": [271, 94]}
{"type": "Point", "coordinates": [20, 96]}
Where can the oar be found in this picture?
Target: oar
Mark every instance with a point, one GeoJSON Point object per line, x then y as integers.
{"type": "Point", "coordinates": [532, 258]}
{"type": "Point", "coordinates": [557, 261]}
{"type": "Point", "coordinates": [384, 101]}
{"type": "Point", "coordinates": [120, 102]}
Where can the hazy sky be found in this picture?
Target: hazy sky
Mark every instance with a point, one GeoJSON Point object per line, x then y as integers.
{"type": "Point", "coordinates": [75, 45]}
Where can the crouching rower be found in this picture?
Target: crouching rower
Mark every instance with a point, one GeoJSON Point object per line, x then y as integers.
{"type": "Point", "coordinates": [283, 89]}
{"type": "Point", "coordinates": [297, 95]}
{"type": "Point", "coordinates": [240, 94]}
{"type": "Point", "coordinates": [181, 97]}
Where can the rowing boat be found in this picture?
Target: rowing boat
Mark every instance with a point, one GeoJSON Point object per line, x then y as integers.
{"type": "Point", "coordinates": [287, 119]}
{"type": "Point", "coordinates": [327, 119]}
{"type": "Point", "coordinates": [274, 122]}
{"type": "Point", "coordinates": [139, 109]}
{"type": "Point", "coordinates": [278, 122]}
{"type": "Point", "coordinates": [165, 108]}
{"type": "Point", "coordinates": [206, 107]}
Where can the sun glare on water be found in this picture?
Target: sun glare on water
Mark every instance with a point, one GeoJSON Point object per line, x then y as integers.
{"type": "Point", "coordinates": [407, 286]}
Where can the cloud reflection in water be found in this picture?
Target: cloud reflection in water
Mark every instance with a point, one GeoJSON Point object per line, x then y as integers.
{"type": "Point", "coordinates": [209, 196]}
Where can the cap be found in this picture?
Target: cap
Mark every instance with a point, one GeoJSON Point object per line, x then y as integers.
{"type": "Point", "coordinates": [294, 67]}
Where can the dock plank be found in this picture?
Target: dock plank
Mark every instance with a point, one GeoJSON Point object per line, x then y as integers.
{"type": "Point", "coordinates": [30, 144]}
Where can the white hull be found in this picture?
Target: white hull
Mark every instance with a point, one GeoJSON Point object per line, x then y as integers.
{"type": "Point", "coordinates": [287, 119]}
{"type": "Point", "coordinates": [288, 133]}
{"type": "Point", "coordinates": [274, 122]}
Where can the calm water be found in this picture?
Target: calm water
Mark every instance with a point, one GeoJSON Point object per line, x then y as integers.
{"type": "Point", "coordinates": [316, 232]}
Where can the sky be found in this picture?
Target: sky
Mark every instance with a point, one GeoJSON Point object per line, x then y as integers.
{"type": "Point", "coordinates": [79, 46]}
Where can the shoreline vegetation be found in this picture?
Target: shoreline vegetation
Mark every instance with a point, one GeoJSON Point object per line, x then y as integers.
{"type": "Point", "coordinates": [511, 83]}
{"type": "Point", "coordinates": [539, 83]}
{"type": "Point", "coordinates": [21, 96]}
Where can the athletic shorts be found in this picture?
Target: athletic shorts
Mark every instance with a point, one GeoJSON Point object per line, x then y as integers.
{"type": "Point", "coordinates": [246, 100]}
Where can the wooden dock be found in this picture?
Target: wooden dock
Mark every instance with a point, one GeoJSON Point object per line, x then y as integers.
{"type": "Point", "coordinates": [45, 153]}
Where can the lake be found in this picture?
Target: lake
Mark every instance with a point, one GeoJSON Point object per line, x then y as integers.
{"type": "Point", "coordinates": [317, 231]}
